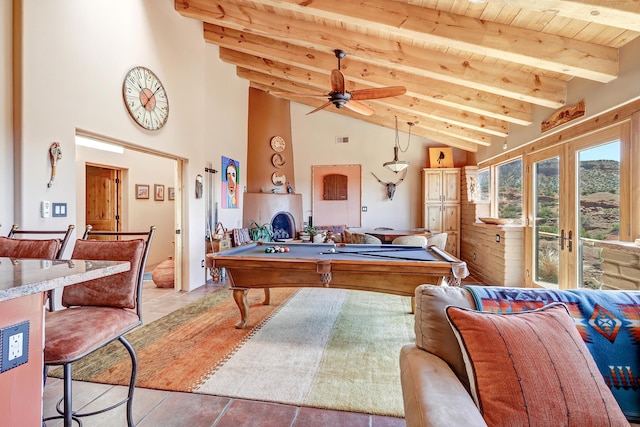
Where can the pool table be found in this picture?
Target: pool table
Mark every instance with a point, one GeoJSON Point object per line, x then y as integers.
{"type": "Point", "coordinates": [391, 269]}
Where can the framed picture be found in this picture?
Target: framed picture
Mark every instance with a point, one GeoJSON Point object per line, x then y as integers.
{"type": "Point", "coordinates": [158, 192]}
{"type": "Point", "coordinates": [142, 191]}
{"type": "Point", "coordinates": [440, 157]}
{"type": "Point", "coordinates": [172, 193]}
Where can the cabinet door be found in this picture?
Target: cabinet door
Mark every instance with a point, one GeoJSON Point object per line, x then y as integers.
{"type": "Point", "coordinates": [433, 217]}
{"type": "Point", "coordinates": [451, 186]}
{"type": "Point", "coordinates": [432, 186]}
{"type": "Point", "coordinates": [450, 218]}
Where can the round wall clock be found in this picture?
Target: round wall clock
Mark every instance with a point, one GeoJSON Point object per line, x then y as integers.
{"type": "Point", "coordinates": [278, 144]}
{"type": "Point", "coordinates": [145, 98]}
{"type": "Point", "coordinates": [278, 178]}
{"type": "Point", "coordinates": [278, 160]}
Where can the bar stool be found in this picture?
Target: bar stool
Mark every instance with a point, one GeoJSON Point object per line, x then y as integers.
{"type": "Point", "coordinates": [98, 312]}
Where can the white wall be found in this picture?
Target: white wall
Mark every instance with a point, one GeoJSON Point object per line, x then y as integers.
{"type": "Point", "coordinates": [76, 54]}
{"type": "Point", "coordinates": [6, 132]}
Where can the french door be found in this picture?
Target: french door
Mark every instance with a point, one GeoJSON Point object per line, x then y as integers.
{"type": "Point", "coordinates": [575, 201]}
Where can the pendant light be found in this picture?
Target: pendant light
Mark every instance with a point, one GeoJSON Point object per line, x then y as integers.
{"type": "Point", "coordinates": [398, 165]}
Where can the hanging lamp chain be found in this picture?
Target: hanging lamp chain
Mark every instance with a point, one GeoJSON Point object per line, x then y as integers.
{"type": "Point", "coordinates": [398, 136]}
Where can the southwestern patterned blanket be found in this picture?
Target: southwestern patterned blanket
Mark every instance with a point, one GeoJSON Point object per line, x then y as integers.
{"type": "Point", "coordinates": [608, 321]}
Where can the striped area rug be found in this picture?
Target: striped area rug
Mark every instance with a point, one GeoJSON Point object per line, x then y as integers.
{"type": "Point", "coordinates": [324, 348]}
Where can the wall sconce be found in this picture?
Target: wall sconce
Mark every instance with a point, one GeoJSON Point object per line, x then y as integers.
{"type": "Point", "coordinates": [398, 165]}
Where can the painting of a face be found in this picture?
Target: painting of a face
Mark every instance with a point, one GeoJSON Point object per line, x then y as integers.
{"type": "Point", "coordinates": [232, 175]}
{"type": "Point", "coordinates": [230, 181]}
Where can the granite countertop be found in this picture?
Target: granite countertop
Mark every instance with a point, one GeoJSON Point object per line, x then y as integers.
{"type": "Point", "coordinates": [21, 277]}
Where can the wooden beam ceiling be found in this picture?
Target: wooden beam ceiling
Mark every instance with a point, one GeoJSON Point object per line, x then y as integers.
{"type": "Point", "coordinates": [470, 70]}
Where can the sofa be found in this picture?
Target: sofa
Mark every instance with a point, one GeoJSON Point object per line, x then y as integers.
{"type": "Point", "coordinates": [435, 371]}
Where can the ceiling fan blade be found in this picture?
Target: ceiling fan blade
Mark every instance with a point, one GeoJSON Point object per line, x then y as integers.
{"type": "Point", "coordinates": [300, 95]}
{"type": "Point", "coordinates": [379, 92]}
{"type": "Point", "coordinates": [326, 104]}
{"type": "Point", "coordinates": [359, 107]}
{"type": "Point", "coordinates": [337, 81]}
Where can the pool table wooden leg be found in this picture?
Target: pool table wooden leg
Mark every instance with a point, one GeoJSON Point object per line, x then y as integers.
{"type": "Point", "coordinates": [267, 296]}
{"type": "Point", "coordinates": [240, 297]}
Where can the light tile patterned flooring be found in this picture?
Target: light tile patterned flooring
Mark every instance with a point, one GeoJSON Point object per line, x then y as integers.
{"type": "Point", "coordinates": [157, 408]}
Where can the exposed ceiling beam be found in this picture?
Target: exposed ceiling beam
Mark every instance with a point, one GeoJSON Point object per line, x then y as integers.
{"type": "Point", "coordinates": [397, 56]}
{"type": "Point", "coordinates": [531, 48]}
{"type": "Point", "coordinates": [438, 92]}
{"type": "Point", "coordinates": [402, 103]}
{"type": "Point", "coordinates": [387, 111]}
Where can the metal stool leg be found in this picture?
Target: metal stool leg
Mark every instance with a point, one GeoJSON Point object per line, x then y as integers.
{"type": "Point", "coordinates": [68, 411]}
{"type": "Point", "coordinates": [132, 381]}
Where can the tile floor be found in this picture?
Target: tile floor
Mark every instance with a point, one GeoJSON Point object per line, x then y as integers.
{"type": "Point", "coordinates": [157, 408]}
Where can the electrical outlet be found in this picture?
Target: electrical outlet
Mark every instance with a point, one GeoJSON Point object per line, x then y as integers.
{"type": "Point", "coordinates": [364, 209]}
{"type": "Point", "coordinates": [14, 346]}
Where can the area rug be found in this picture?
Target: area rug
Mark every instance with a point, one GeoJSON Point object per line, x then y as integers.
{"type": "Point", "coordinates": [324, 348]}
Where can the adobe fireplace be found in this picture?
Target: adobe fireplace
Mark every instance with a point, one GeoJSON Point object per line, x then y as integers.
{"type": "Point", "coordinates": [282, 211]}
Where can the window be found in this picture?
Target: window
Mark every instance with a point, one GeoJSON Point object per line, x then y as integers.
{"type": "Point", "coordinates": [483, 185]}
{"type": "Point", "coordinates": [508, 184]}
{"type": "Point", "coordinates": [598, 207]}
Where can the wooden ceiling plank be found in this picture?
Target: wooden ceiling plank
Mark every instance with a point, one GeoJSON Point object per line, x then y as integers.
{"type": "Point", "coordinates": [620, 14]}
{"type": "Point", "coordinates": [406, 104]}
{"type": "Point", "coordinates": [524, 86]}
{"type": "Point", "coordinates": [438, 92]}
{"type": "Point", "coordinates": [541, 50]}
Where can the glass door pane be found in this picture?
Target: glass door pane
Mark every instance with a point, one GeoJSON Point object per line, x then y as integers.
{"type": "Point", "coordinates": [599, 207]}
{"type": "Point", "coordinates": [546, 213]}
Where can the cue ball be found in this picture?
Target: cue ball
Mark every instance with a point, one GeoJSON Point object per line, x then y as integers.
{"type": "Point", "coordinates": [332, 250]}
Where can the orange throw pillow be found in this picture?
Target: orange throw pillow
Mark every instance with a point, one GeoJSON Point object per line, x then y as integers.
{"type": "Point", "coordinates": [532, 368]}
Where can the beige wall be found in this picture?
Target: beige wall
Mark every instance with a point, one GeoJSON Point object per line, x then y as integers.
{"type": "Point", "coordinates": [370, 146]}
{"type": "Point", "coordinates": [137, 214]}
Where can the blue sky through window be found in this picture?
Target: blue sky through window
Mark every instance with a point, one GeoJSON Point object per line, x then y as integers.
{"type": "Point", "coordinates": [610, 151]}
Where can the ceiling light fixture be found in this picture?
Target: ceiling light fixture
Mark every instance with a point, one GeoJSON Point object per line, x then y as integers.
{"type": "Point", "coordinates": [398, 165]}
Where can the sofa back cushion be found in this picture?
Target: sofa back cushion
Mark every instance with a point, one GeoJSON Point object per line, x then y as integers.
{"type": "Point", "coordinates": [532, 368]}
{"type": "Point", "coordinates": [433, 332]}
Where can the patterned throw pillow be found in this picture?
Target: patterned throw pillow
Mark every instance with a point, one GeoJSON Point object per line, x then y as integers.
{"type": "Point", "coordinates": [532, 368]}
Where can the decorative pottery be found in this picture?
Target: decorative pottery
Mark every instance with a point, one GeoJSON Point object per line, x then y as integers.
{"type": "Point", "coordinates": [162, 275]}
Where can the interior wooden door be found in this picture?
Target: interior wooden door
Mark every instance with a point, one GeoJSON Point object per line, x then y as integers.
{"type": "Point", "coordinates": [103, 198]}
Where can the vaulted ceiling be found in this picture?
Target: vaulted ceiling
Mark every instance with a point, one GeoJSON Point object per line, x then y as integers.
{"type": "Point", "coordinates": [470, 69]}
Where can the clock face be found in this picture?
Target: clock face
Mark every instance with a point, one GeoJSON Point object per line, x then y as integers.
{"type": "Point", "coordinates": [145, 98]}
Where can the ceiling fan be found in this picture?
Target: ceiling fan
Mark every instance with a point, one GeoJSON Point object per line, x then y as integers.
{"type": "Point", "coordinates": [343, 98]}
